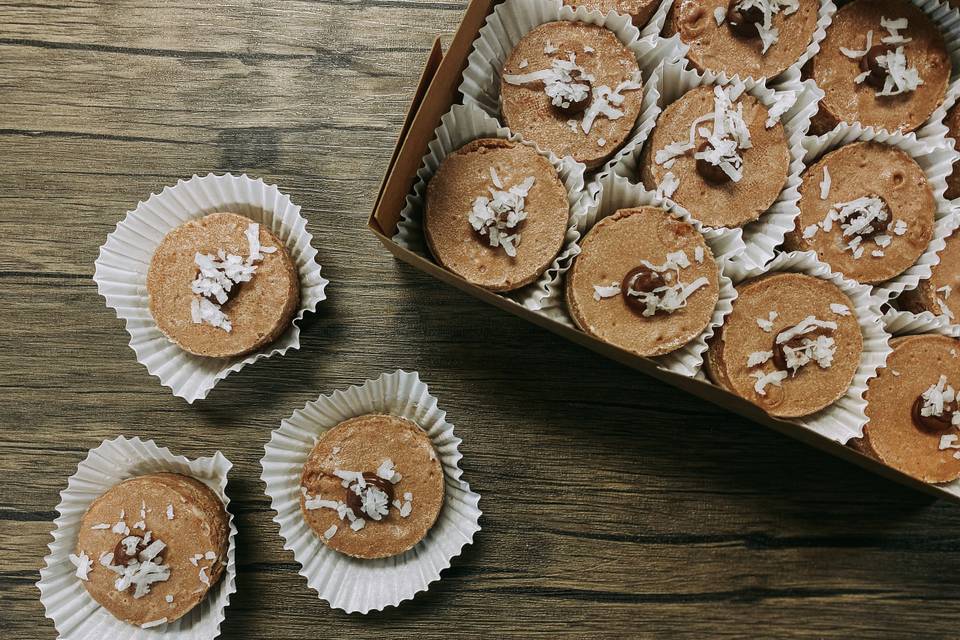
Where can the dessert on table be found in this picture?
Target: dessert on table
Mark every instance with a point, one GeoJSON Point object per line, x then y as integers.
{"type": "Point", "coordinates": [150, 548]}
{"type": "Point", "coordinates": [572, 88]}
{"type": "Point", "coordinates": [913, 409]}
{"type": "Point", "coordinates": [372, 487]}
{"type": "Point", "coordinates": [867, 210]}
{"type": "Point", "coordinates": [644, 281]}
{"type": "Point", "coordinates": [756, 38]}
{"type": "Point", "coordinates": [639, 11]}
{"type": "Point", "coordinates": [718, 153]}
{"type": "Point", "coordinates": [791, 345]}
{"type": "Point", "coordinates": [883, 64]}
{"type": "Point", "coordinates": [940, 293]}
{"type": "Point", "coordinates": [496, 214]}
{"type": "Point", "coordinates": [222, 286]}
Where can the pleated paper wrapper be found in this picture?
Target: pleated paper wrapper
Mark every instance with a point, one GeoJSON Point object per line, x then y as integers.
{"type": "Point", "coordinates": [619, 193]}
{"type": "Point", "coordinates": [121, 272]}
{"type": "Point", "coordinates": [845, 418]}
{"type": "Point", "coordinates": [351, 584]}
{"type": "Point", "coordinates": [75, 614]}
{"type": "Point", "coordinates": [460, 125]}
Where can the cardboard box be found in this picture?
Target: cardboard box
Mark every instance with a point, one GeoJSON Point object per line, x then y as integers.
{"type": "Point", "coordinates": [436, 92]}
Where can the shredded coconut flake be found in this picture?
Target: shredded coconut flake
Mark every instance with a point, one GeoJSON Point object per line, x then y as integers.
{"type": "Point", "coordinates": [669, 297]}
{"type": "Point", "coordinates": [758, 357]}
{"type": "Point", "coordinates": [168, 598]}
{"type": "Point", "coordinates": [825, 184]}
{"type": "Point", "coordinates": [938, 399]}
{"type": "Point", "coordinates": [503, 211]}
{"type": "Point", "coordinates": [83, 563]}
{"type": "Point", "coordinates": [840, 309]}
{"type": "Point", "coordinates": [153, 623]}
{"type": "Point", "coordinates": [610, 291]}
{"type": "Point", "coordinates": [769, 35]}
{"type": "Point", "coordinates": [719, 15]}
{"type": "Point", "coordinates": [766, 379]}
{"type": "Point", "coordinates": [859, 220]}
{"type": "Point", "coordinates": [169, 512]}
{"type": "Point", "coordinates": [767, 323]}
{"type": "Point", "coordinates": [565, 82]}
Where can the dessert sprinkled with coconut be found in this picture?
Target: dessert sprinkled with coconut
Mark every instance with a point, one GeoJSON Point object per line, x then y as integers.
{"type": "Point", "coordinates": [569, 86]}
{"type": "Point", "coordinates": [219, 274]}
{"type": "Point", "coordinates": [716, 138]}
{"type": "Point", "coordinates": [860, 220]}
{"type": "Point", "coordinates": [798, 348]}
{"type": "Point", "coordinates": [140, 564]}
{"type": "Point", "coordinates": [898, 78]}
{"type": "Point", "coordinates": [503, 211]}
{"type": "Point", "coordinates": [667, 298]}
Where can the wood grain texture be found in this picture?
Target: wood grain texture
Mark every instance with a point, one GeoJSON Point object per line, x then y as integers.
{"type": "Point", "coordinates": [614, 506]}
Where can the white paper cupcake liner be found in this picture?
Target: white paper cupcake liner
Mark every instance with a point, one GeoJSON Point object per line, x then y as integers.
{"type": "Point", "coordinates": [845, 418]}
{"type": "Point", "coordinates": [617, 193]}
{"type": "Point", "coordinates": [459, 126]}
{"type": "Point", "coordinates": [121, 272]}
{"type": "Point", "coordinates": [936, 165]}
{"type": "Point", "coordinates": [791, 75]}
{"type": "Point", "coordinates": [935, 131]}
{"type": "Point", "coordinates": [75, 614]}
{"type": "Point", "coordinates": [352, 584]}
{"type": "Point", "coordinates": [948, 21]}
{"type": "Point", "coordinates": [907, 323]}
{"type": "Point", "coordinates": [513, 19]}
{"type": "Point", "coordinates": [799, 102]}
{"type": "Point", "coordinates": [654, 26]}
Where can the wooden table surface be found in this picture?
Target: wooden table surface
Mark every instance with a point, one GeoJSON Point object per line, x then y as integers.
{"type": "Point", "coordinates": [614, 506]}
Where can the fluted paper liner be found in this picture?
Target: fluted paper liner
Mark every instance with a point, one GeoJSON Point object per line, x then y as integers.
{"type": "Point", "coordinates": [935, 131]}
{"type": "Point", "coordinates": [936, 164]}
{"type": "Point", "coordinates": [907, 323]}
{"type": "Point", "coordinates": [763, 236]}
{"type": "Point", "coordinates": [459, 126]}
{"type": "Point", "coordinates": [617, 193]}
{"type": "Point", "coordinates": [844, 419]}
{"type": "Point", "coordinates": [75, 614]}
{"type": "Point", "coordinates": [121, 272]}
{"type": "Point", "coordinates": [513, 19]}
{"type": "Point", "coordinates": [351, 584]}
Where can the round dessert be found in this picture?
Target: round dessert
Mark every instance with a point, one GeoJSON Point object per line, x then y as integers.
{"type": "Point", "coordinates": [940, 293]}
{"type": "Point", "coordinates": [572, 88]}
{"type": "Point", "coordinates": [222, 286]}
{"type": "Point", "coordinates": [372, 486]}
{"type": "Point", "coordinates": [867, 210]}
{"type": "Point", "coordinates": [496, 214]}
{"type": "Point", "coordinates": [149, 549]}
{"type": "Point", "coordinates": [912, 409]}
{"type": "Point", "coordinates": [644, 281]}
{"type": "Point", "coordinates": [727, 176]}
{"type": "Point", "coordinates": [883, 64]}
{"type": "Point", "coordinates": [952, 122]}
{"type": "Point", "coordinates": [760, 41]}
{"type": "Point", "coordinates": [639, 11]}
{"type": "Point", "coordinates": [791, 345]}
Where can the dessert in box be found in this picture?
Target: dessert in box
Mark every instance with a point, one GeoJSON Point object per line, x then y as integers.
{"type": "Point", "coordinates": [719, 154]}
{"type": "Point", "coordinates": [833, 341]}
{"type": "Point", "coordinates": [644, 281]}
{"type": "Point", "coordinates": [867, 210]}
{"type": "Point", "coordinates": [572, 88]}
{"type": "Point", "coordinates": [496, 214]}
{"type": "Point", "coordinates": [883, 64]}
{"type": "Point", "coordinates": [913, 408]}
{"type": "Point", "coordinates": [749, 38]}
